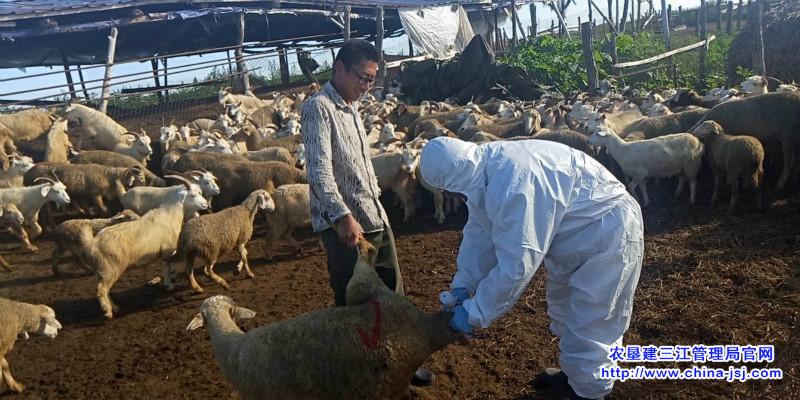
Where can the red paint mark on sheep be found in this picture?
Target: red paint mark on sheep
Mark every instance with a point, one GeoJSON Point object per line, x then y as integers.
{"type": "Point", "coordinates": [370, 340]}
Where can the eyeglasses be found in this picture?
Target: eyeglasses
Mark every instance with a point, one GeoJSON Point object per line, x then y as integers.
{"type": "Point", "coordinates": [362, 79]}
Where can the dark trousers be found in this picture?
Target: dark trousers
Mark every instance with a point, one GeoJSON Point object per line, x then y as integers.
{"type": "Point", "coordinates": [342, 261]}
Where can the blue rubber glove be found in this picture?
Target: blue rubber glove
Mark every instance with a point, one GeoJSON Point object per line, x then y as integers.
{"type": "Point", "coordinates": [460, 321]}
{"type": "Point", "coordinates": [453, 298]}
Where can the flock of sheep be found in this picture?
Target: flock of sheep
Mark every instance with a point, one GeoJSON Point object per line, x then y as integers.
{"type": "Point", "coordinates": [92, 173]}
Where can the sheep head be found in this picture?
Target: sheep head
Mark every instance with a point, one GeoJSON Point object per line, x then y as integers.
{"type": "Point", "coordinates": [206, 180]}
{"type": "Point", "coordinates": [48, 324]}
{"type": "Point", "coordinates": [134, 176]}
{"type": "Point", "coordinates": [191, 196]}
{"type": "Point", "coordinates": [708, 130]}
{"type": "Point", "coordinates": [54, 190]}
{"type": "Point", "coordinates": [260, 199]}
{"type": "Point", "coordinates": [20, 162]}
{"type": "Point", "coordinates": [366, 251]}
{"type": "Point", "coordinates": [219, 305]}
{"type": "Point", "coordinates": [124, 216]}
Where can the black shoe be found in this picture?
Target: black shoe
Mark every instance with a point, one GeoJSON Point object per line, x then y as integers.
{"type": "Point", "coordinates": [551, 378]}
{"type": "Point", "coordinates": [423, 377]}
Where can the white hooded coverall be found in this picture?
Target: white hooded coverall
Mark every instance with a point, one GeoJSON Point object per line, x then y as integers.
{"type": "Point", "coordinates": [532, 201]}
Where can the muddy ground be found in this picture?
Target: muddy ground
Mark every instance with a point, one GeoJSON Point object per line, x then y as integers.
{"type": "Point", "coordinates": [708, 277]}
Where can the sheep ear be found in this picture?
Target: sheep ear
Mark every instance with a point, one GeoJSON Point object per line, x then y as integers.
{"type": "Point", "coordinates": [45, 190]}
{"type": "Point", "coordinates": [196, 322]}
{"type": "Point", "coordinates": [240, 314]}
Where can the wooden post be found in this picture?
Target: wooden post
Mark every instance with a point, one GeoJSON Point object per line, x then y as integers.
{"type": "Point", "coordinates": [154, 65]}
{"type": "Point", "coordinates": [759, 66]}
{"type": "Point", "coordinates": [624, 18]}
{"type": "Point", "coordinates": [519, 23]}
{"type": "Point", "coordinates": [552, 27]}
{"type": "Point", "coordinates": [112, 45]}
{"type": "Point", "coordinates": [719, 15]}
{"type": "Point", "coordinates": [638, 25]}
{"type": "Point", "coordinates": [379, 45]}
{"type": "Point", "coordinates": [496, 29]}
{"type": "Point", "coordinates": [729, 18]}
{"type": "Point", "coordinates": [739, 15]}
{"type": "Point", "coordinates": [83, 83]}
{"type": "Point", "coordinates": [591, 15]}
{"type": "Point", "coordinates": [533, 20]}
{"type": "Point", "coordinates": [243, 81]}
{"type": "Point", "coordinates": [679, 19]}
{"type": "Point", "coordinates": [611, 18]}
{"type": "Point", "coordinates": [513, 24]}
{"type": "Point", "coordinates": [701, 73]}
{"type": "Point", "coordinates": [588, 55]}
{"type": "Point", "coordinates": [665, 27]}
{"type": "Point", "coordinates": [346, 19]}
{"type": "Point", "coordinates": [616, 15]}
{"type": "Point", "coordinates": [283, 60]}
{"type": "Point", "coordinates": [68, 75]}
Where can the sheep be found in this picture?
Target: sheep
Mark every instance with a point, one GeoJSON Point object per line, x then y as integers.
{"type": "Point", "coordinates": [768, 117]}
{"type": "Point", "coordinates": [687, 97]}
{"type": "Point", "coordinates": [7, 147]}
{"type": "Point", "coordinates": [238, 179]}
{"type": "Point", "coordinates": [248, 102]}
{"type": "Point", "coordinates": [658, 110]}
{"type": "Point", "coordinates": [366, 350]}
{"type": "Point", "coordinates": [91, 123]}
{"type": "Point", "coordinates": [31, 199]}
{"type": "Point", "coordinates": [734, 157]}
{"type": "Point", "coordinates": [787, 88]}
{"type": "Point", "coordinates": [142, 199]}
{"type": "Point", "coordinates": [21, 319]}
{"type": "Point", "coordinates": [567, 137]}
{"type": "Point", "coordinates": [112, 159]}
{"type": "Point", "coordinates": [755, 85]}
{"type": "Point", "coordinates": [201, 124]}
{"type": "Point", "coordinates": [58, 144]}
{"type": "Point", "coordinates": [271, 154]}
{"type": "Point", "coordinates": [210, 236]}
{"type": "Point", "coordinates": [662, 157]}
{"type": "Point", "coordinates": [11, 220]}
{"type": "Point", "coordinates": [94, 182]}
{"type": "Point", "coordinates": [18, 166]}
{"type": "Point", "coordinates": [530, 123]}
{"type": "Point", "coordinates": [117, 248]}
{"type": "Point", "coordinates": [292, 210]}
{"type": "Point", "coordinates": [138, 148]}
{"type": "Point", "coordinates": [432, 128]}
{"type": "Point", "coordinates": [27, 124]}
{"type": "Point", "coordinates": [481, 137]}
{"type": "Point", "coordinates": [659, 126]}
{"type": "Point", "coordinates": [75, 234]}
{"type": "Point", "coordinates": [395, 172]}
{"type": "Point", "coordinates": [456, 116]}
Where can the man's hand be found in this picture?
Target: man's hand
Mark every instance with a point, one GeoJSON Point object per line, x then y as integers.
{"type": "Point", "coordinates": [348, 230]}
{"type": "Point", "coordinates": [460, 321]}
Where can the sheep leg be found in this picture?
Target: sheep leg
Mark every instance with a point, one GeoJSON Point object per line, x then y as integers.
{"type": "Point", "coordinates": [190, 272]}
{"type": "Point", "coordinates": [35, 231]}
{"type": "Point", "coordinates": [734, 182]}
{"type": "Point", "coordinates": [57, 250]}
{"type": "Point", "coordinates": [438, 206]}
{"type": "Point", "coordinates": [692, 190]}
{"type": "Point", "coordinates": [5, 370]}
{"type": "Point", "coordinates": [292, 241]}
{"type": "Point", "coordinates": [788, 165]}
{"type": "Point", "coordinates": [107, 281]}
{"type": "Point", "coordinates": [679, 189]}
{"type": "Point", "coordinates": [632, 184]}
{"type": "Point", "coordinates": [643, 186]}
{"type": "Point", "coordinates": [6, 266]}
{"type": "Point", "coordinates": [19, 232]}
{"type": "Point", "coordinates": [167, 271]}
{"type": "Point", "coordinates": [715, 193]}
{"type": "Point", "coordinates": [98, 200]}
{"type": "Point", "coordinates": [209, 270]}
{"type": "Point", "coordinates": [243, 260]}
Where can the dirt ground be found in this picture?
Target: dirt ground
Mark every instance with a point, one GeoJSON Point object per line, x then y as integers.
{"type": "Point", "coordinates": [708, 277]}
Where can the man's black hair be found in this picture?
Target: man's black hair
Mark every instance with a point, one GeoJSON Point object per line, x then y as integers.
{"type": "Point", "coordinates": [355, 51]}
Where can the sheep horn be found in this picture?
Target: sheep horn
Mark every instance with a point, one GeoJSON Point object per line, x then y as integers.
{"type": "Point", "coordinates": [135, 136]}
{"type": "Point", "coordinates": [185, 181]}
{"type": "Point", "coordinates": [44, 178]}
{"type": "Point", "coordinates": [55, 176]}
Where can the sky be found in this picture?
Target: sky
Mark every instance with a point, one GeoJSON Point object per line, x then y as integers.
{"type": "Point", "coordinates": [397, 45]}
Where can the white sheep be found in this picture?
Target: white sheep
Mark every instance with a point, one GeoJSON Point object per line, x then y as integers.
{"type": "Point", "coordinates": [137, 148]}
{"type": "Point", "coordinates": [58, 147]}
{"type": "Point", "coordinates": [292, 210]}
{"type": "Point", "coordinates": [733, 157]}
{"type": "Point", "coordinates": [21, 319]}
{"type": "Point", "coordinates": [31, 199]}
{"type": "Point", "coordinates": [119, 247]}
{"type": "Point", "coordinates": [662, 157]}
{"type": "Point", "coordinates": [93, 124]}
{"type": "Point", "coordinates": [249, 103]}
{"type": "Point", "coordinates": [75, 234]}
{"type": "Point", "coordinates": [11, 220]}
{"type": "Point", "coordinates": [18, 166]}
{"type": "Point", "coordinates": [755, 85]}
{"type": "Point", "coordinates": [366, 350]}
{"type": "Point", "coordinates": [27, 124]}
{"type": "Point", "coordinates": [658, 110]}
{"type": "Point", "coordinates": [210, 236]}
{"type": "Point", "coordinates": [395, 172]}
{"type": "Point", "coordinates": [142, 199]}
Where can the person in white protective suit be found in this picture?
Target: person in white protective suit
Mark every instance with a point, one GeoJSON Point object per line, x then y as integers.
{"type": "Point", "coordinates": [537, 201]}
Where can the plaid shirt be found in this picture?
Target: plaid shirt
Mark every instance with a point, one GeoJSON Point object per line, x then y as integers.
{"type": "Point", "coordinates": [339, 166]}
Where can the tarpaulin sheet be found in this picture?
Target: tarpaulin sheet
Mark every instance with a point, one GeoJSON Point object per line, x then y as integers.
{"type": "Point", "coordinates": [438, 31]}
